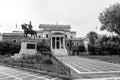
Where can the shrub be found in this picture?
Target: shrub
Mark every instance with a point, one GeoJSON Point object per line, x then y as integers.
{"type": "Point", "coordinates": [43, 47]}
{"type": "Point", "coordinates": [8, 60]}
{"type": "Point", "coordinates": [47, 61]}
{"type": "Point", "coordinates": [91, 49]}
{"type": "Point", "coordinates": [37, 57]}
{"type": "Point", "coordinates": [9, 48]}
{"type": "Point", "coordinates": [81, 48]}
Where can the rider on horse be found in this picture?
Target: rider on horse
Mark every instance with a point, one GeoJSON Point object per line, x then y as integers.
{"type": "Point", "coordinates": [30, 26]}
{"type": "Point", "coordinates": [28, 30]}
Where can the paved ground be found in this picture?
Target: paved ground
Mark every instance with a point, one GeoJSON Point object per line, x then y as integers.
{"type": "Point", "coordinates": [8, 73]}
{"type": "Point", "coordinates": [83, 68]}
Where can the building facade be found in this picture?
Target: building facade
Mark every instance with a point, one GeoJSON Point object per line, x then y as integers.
{"type": "Point", "coordinates": [58, 37]}
{"type": "Point", "coordinates": [1, 37]}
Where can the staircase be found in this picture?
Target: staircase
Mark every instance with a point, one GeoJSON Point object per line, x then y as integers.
{"type": "Point", "coordinates": [60, 52]}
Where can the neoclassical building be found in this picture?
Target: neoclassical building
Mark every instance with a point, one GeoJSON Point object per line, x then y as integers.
{"type": "Point", "coordinates": [58, 37]}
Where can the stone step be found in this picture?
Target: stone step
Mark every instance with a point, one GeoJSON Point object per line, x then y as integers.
{"type": "Point", "coordinates": [60, 52]}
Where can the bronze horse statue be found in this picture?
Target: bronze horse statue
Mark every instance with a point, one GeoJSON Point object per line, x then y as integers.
{"type": "Point", "coordinates": [28, 30]}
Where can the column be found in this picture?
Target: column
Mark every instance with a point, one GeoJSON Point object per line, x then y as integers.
{"type": "Point", "coordinates": [60, 42]}
{"type": "Point", "coordinates": [63, 42]}
{"type": "Point", "coordinates": [51, 43]}
{"type": "Point", "coordinates": [55, 42]}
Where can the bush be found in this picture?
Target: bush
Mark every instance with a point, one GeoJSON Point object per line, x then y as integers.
{"type": "Point", "coordinates": [81, 48]}
{"type": "Point", "coordinates": [47, 61]}
{"type": "Point", "coordinates": [8, 60]}
{"type": "Point", "coordinates": [9, 48]}
{"type": "Point", "coordinates": [91, 49]}
{"type": "Point", "coordinates": [43, 47]}
{"type": "Point", "coordinates": [38, 57]}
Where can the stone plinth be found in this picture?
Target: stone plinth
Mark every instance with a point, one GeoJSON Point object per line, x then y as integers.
{"type": "Point", "coordinates": [28, 47]}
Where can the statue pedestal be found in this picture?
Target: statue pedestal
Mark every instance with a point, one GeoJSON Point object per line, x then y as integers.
{"type": "Point", "coordinates": [28, 47]}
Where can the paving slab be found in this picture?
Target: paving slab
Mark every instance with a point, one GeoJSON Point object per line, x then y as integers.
{"type": "Point", "coordinates": [29, 78]}
{"type": "Point", "coordinates": [84, 68]}
{"type": "Point", "coordinates": [10, 78]}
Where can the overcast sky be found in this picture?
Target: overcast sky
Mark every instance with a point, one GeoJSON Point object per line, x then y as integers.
{"type": "Point", "coordinates": [82, 15]}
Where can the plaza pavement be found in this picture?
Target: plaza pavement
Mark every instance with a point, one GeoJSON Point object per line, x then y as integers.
{"type": "Point", "coordinates": [8, 73]}
{"type": "Point", "coordinates": [84, 68]}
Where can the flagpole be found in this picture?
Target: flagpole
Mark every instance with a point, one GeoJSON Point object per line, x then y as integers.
{"type": "Point", "coordinates": [16, 27]}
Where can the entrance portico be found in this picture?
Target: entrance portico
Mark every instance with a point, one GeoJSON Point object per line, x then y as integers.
{"type": "Point", "coordinates": [58, 44]}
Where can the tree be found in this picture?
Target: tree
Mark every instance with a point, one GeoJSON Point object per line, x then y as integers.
{"type": "Point", "coordinates": [70, 45]}
{"type": "Point", "coordinates": [92, 37]}
{"type": "Point", "coordinates": [81, 48]}
{"type": "Point", "coordinates": [108, 45]}
{"type": "Point", "coordinates": [103, 44]}
{"type": "Point", "coordinates": [110, 19]}
{"type": "Point", "coordinates": [43, 48]}
{"type": "Point", "coordinates": [91, 49]}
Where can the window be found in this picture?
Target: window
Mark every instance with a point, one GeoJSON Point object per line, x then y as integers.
{"type": "Point", "coordinates": [77, 44]}
{"type": "Point", "coordinates": [68, 45]}
{"type": "Point", "coordinates": [39, 36]}
{"type": "Point", "coordinates": [14, 40]}
{"type": "Point", "coordinates": [46, 35]}
{"type": "Point", "coordinates": [73, 44]}
{"type": "Point", "coordinates": [65, 36]}
{"type": "Point", "coordinates": [30, 46]}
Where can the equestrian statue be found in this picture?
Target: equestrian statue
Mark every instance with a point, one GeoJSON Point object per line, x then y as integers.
{"type": "Point", "coordinates": [28, 30]}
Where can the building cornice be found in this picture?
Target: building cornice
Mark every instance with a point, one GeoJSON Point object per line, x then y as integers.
{"type": "Point", "coordinates": [53, 26]}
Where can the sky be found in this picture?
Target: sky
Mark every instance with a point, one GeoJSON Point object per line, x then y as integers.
{"type": "Point", "coordinates": [81, 15]}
